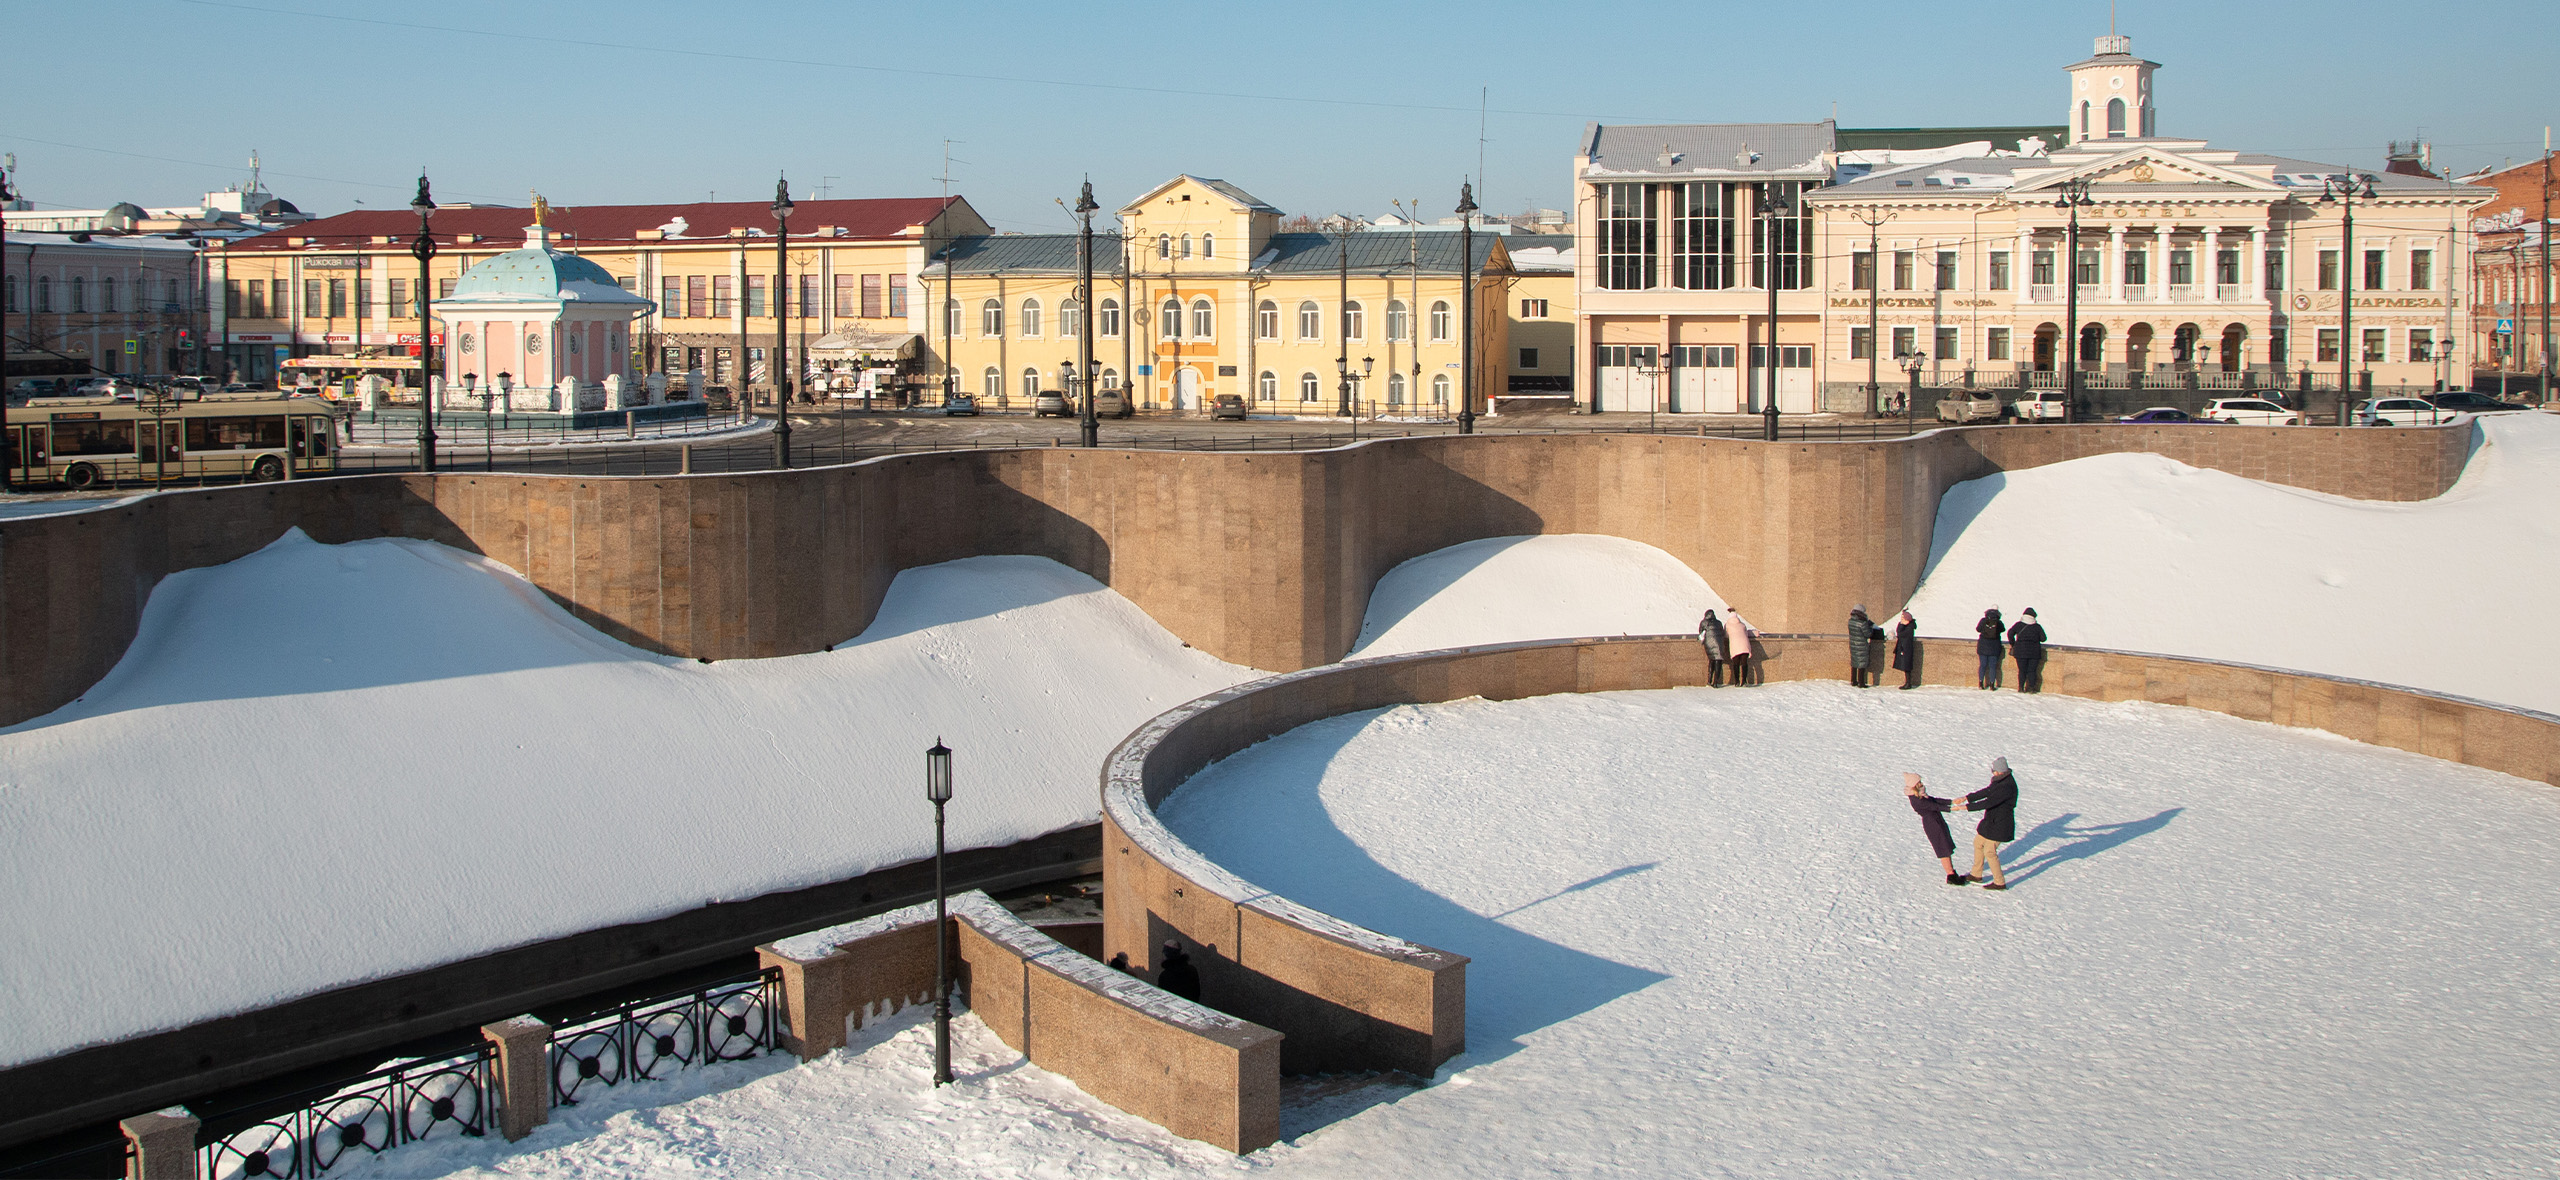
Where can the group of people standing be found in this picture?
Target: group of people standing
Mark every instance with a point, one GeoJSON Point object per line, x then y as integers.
{"type": "Point", "coordinates": [1728, 642]}
{"type": "Point", "coordinates": [2025, 644]}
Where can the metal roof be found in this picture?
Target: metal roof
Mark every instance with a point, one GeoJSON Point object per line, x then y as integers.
{"type": "Point", "coordinates": [1437, 253]}
{"type": "Point", "coordinates": [2005, 139]}
{"type": "Point", "coordinates": [1742, 151]}
{"type": "Point", "coordinates": [582, 225]}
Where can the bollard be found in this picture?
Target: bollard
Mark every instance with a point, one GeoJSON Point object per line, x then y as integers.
{"type": "Point", "coordinates": [164, 1144]}
{"type": "Point", "coordinates": [523, 1074]}
{"type": "Point", "coordinates": [687, 467]}
{"type": "Point", "coordinates": [631, 424]}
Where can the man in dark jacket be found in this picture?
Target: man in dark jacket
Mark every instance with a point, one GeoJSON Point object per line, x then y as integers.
{"type": "Point", "coordinates": [1174, 973]}
{"type": "Point", "coordinates": [1933, 824]}
{"type": "Point", "coordinates": [2026, 645]}
{"type": "Point", "coordinates": [1998, 804]}
{"type": "Point", "coordinates": [1906, 649]}
{"type": "Point", "coordinates": [1711, 637]}
{"type": "Point", "coordinates": [1862, 637]}
{"type": "Point", "coordinates": [1987, 650]}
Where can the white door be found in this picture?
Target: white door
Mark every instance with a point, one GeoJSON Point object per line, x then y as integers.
{"type": "Point", "coordinates": [1186, 388]}
{"type": "Point", "coordinates": [1795, 378]}
{"type": "Point", "coordinates": [1687, 382]}
{"type": "Point", "coordinates": [1719, 382]}
{"type": "Point", "coordinates": [1623, 385]}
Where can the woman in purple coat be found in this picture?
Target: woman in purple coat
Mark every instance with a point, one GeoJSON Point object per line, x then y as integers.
{"type": "Point", "coordinates": [1933, 824]}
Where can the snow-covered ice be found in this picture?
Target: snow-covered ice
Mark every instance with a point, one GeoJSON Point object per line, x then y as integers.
{"type": "Point", "coordinates": [1507, 589]}
{"type": "Point", "coordinates": [323, 764]}
{"type": "Point", "coordinates": [2144, 553]}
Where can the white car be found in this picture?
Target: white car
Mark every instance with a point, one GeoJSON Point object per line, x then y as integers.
{"type": "Point", "coordinates": [2250, 411]}
{"type": "Point", "coordinates": [2402, 411]}
{"type": "Point", "coordinates": [2041, 407]}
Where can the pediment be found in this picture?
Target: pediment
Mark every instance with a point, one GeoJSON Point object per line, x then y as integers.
{"type": "Point", "coordinates": [2151, 171]}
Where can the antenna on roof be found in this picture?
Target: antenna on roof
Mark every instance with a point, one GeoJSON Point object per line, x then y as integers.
{"type": "Point", "coordinates": [254, 185]}
{"type": "Point", "coordinates": [1483, 98]}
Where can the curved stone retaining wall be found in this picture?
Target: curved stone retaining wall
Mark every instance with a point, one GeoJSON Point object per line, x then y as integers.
{"type": "Point", "coordinates": [1265, 559]}
{"type": "Point", "coordinates": [1350, 998]}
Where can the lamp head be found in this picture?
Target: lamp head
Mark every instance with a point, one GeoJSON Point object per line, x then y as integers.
{"type": "Point", "coordinates": [937, 772]}
{"type": "Point", "coordinates": [1368, 365]}
{"type": "Point", "coordinates": [1466, 198]}
{"type": "Point", "coordinates": [424, 205]}
{"type": "Point", "coordinates": [782, 199]}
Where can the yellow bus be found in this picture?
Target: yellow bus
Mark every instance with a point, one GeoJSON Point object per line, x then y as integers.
{"type": "Point", "coordinates": [88, 442]}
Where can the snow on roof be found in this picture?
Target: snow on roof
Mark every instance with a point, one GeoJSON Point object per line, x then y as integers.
{"type": "Point", "coordinates": [870, 218]}
{"type": "Point", "coordinates": [1735, 150]}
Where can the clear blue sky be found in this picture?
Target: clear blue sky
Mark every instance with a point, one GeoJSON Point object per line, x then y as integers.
{"type": "Point", "coordinates": [1316, 106]}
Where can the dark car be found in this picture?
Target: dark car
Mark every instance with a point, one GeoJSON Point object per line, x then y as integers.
{"type": "Point", "coordinates": [1052, 404]}
{"type": "Point", "coordinates": [2161, 414]}
{"type": "Point", "coordinates": [2472, 403]}
{"type": "Point", "coordinates": [960, 405]}
{"type": "Point", "coordinates": [1227, 405]}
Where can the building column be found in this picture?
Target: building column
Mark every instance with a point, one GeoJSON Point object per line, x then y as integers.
{"type": "Point", "coordinates": [2115, 264]}
{"type": "Point", "coordinates": [2022, 268]}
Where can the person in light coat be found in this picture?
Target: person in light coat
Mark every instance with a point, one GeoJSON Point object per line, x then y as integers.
{"type": "Point", "coordinates": [1711, 637]}
{"type": "Point", "coordinates": [1737, 644]}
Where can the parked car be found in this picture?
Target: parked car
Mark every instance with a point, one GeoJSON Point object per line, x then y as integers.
{"type": "Point", "coordinates": [2046, 406]}
{"type": "Point", "coordinates": [2402, 411]}
{"type": "Point", "coordinates": [1965, 406]}
{"type": "Point", "coordinates": [2473, 403]}
{"type": "Point", "coordinates": [1227, 405]}
{"type": "Point", "coordinates": [2160, 414]}
{"type": "Point", "coordinates": [960, 405]}
{"type": "Point", "coordinates": [1052, 404]}
{"type": "Point", "coordinates": [2250, 411]}
{"type": "Point", "coordinates": [1111, 403]}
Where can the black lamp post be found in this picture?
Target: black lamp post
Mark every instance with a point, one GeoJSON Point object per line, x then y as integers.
{"type": "Point", "coordinates": [1911, 398]}
{"type": "Point", "coordinates": [1342, 365]}
{"type": "Point", "coordinates": [2342, 191]}
{"type": "Point", "coordinates": [937, 787]}
{"type": "Point", "coordinates": [8, 441]}
{"type": "Point", "coordinates": [781, 325]}
{"type": "Point", "coordinates": [1467, 308]}
{"type": "Point", "coordinates": [1088, 426]}
{"type": "Point", "coordinates": [1773, 206]}
{"type": "Point", "coordinates": [425, 249]}
{"type": "Point", "coordinates": [488, 395]}
{"type": "Point", "coordinates": [2071, 195]}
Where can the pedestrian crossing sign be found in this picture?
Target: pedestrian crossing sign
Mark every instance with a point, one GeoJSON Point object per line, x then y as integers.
{"type": "Point", "coordinates": [2506, 327]}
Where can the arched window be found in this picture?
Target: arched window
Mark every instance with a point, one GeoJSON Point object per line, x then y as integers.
{"type": "Point", "coordinates": [1268, 387]}
{"type": "Point", "coordinates": [1186, 245]}
{"type": "Point", "coordinates": [992, 382]}
{"type": "Point", "coordinates": [950, 317]}
{"type": "Point", "coordinates": [1169, 320]}
{"type": "Point", "coordinates": [1266, 320]}
{"type": "Point", "coordinates": [2084, 120]}
{"type": "Point", "coordinates": [991, 319]}
{"type": "Point", "coordinates": [1030, 317]}
{"type": "Point", "coordinates": [1310, 321]}
{"type": "Point", "coordinates": [2115, 118]}
{"type": "Point", "coordinates": [1355, 322]}
{"type": "Point", "coordinates": [1399, 321]}
{"type": "Point", "coordinates": [1208, 245]}
{"type": "Point", "coordinates": [1111, 378]}
{"type": "Point", "coordinates": [1070, 319]}
{"type": "Point", "coordinates": [1395, 389]}
{"type": "Point", "coordinates": [1440, 390]}
{"type": "Point", "coordinates": [44, 292]}
{"type": "Point", "coordinates": [1440, 320]}
{"type": "Point", "coordinates": [79, 293]}
{"type": "Point", "coordinates": [1110, 324]}
{"type": "Point", "coordinates": [1030, 384]}
{"type": "Point", "coordinates": [1164, 245]}
{"type": "Point", "coordinates": [107, 293]}
{"type": "Point", "coordinates": [1309, 389]}
{"type": "Point", "coordinates": [1204, 319]}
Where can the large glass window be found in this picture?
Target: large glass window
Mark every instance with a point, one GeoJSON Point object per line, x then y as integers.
{"type": "Point", "coordinates": [2275, 270]}
{"type": "Point", "coordinates": [2373, 270]}
{"type": "Point", "coordinates": [1946, 344]}
{"type": "Point", "coordinates": [1906, 341]}
{"type": "Point", "coordinates": [1267, 387]}
{"type": "Point", "coordinates": [1862, 270]}
{"type": "Point", "coordinates": [722, 296]}
{"type": "Point", "coordinates": [2377, 344]}
{"type": "Point", "coordinates": [2226, 267]}
{"type": "Point", "coordinates": [1902, 270]}
{"type": "Point", "coordinates": [1440, 387]}
{"type": "Point", "coordinates": [1862, 343]}
{"type": "Point", "coordinates": [1169, 319]}
{"type": "Point", "coordinates": [1355, 322]}
{"type": "Point", "coordinates": [2422, 270]}
{"type": "Point", "coordinates": [1788, 238]}
{"type": "Point", "coordinates": [1999, 270]}
{"type": "Point", "coordinates": [1995, 344]}
{"type": "Point", "coordinates": [2090, 272]}
{"type": "Point", "coordinates": [871, 297]}
{"type": "Point", "coordinates": [1946, 270]}
{"type": "Point", "coordinates": [2328, 270]}
{"type": "Point", "coordinates": [1309, 389]}
{"type": "Point", "coordinates": [337, 296]}
{"type": "Point", "coordinates": [1030, 384]}
{"type": "Point", "coordinates": [2326, 348]}
{"type": "Point", "coordinates": [991, 382]}
{"type": "Point", "coordinates": [1701, 236]}
{"type": "Point", "coordinates": [2422, 344]}
{"type": "Point", "coordinates": [2137, 268]}
{"type": "Point", "coordinates": [2040, 269]}
{"type": "Point", "coordinates": [951, 317]}
{"type": "Point", "coordinates": [99, 438]}
{"type": "Point", "coordinates": [1070, 319]}
{"type": "Point", "coordinates": [247, 433]}
{"type": "Point", "coordinates": [2182, 268]}
{"type": "Point", "coordinates": [755, 295]}
{"type": "Point", "coordinates": [1626, 237]}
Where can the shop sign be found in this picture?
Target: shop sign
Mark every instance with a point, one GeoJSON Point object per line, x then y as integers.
{"type": "Point", "coordinates": [436, 338]}
{"type": "Point", "coordinates": [243, 338]}
{"type": "Point", "coordinates": [333, 262]}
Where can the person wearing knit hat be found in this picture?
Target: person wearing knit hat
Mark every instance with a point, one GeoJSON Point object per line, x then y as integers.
{"type": "Point", "coordinates": [1933, 824]}
{"type": "Point", "coordinates": [2026, 645]}
{"type": "Point", "coordinates": [1998, 804]}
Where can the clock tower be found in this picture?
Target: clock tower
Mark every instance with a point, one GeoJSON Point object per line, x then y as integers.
{"type": "Point", "coordinates": [2111, 93]}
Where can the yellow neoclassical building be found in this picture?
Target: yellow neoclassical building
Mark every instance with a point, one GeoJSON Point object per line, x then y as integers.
{"type": "Point", "coordinates": [1211, 298]}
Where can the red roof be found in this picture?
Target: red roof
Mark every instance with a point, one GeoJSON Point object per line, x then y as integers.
{"type": "Point", "coordinates": [880, 218]}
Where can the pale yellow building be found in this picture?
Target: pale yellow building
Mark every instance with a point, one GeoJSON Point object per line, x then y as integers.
{"type": "Point", "coordinates": [1211, 298]}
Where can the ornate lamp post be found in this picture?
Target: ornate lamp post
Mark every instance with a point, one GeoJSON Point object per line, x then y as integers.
{"type": "Point", "coordinates": [1875, 290]}
{"type": "Point", "coordinates": [1342, 365]}
{"type": "Point", "coordinates": [1467, 308]}
{"type": "Point", "coordinates": [1088, 426]}
{"type": "Point", "coordinates": [937, 787]}
{"type": "Point", "coordinates": [781, 325]}
{"type": "Point", "coordinates": [1772, 207]}
{"type": "Point", "coordinates": [2071, 195]}
{"type": "Point", "coordinates": [2342, 191]}
{"type": "Point", "coordinates": [1652, 374]}
{"type": "Point", "coordinates": [425, 249]}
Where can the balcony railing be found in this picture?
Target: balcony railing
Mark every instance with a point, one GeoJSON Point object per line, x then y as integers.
{"type": "Point", "coordinates": [2043, 292]}
{"type": "Point", "coordinates": [2185, 294]}
{"type": "Point", "coordinates": [2227, 292]}
{"type": "Point", "coordinates": [2138, 295]}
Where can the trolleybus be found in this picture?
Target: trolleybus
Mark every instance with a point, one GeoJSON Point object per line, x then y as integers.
{"type": "Point", "coordinates": [87, 442]}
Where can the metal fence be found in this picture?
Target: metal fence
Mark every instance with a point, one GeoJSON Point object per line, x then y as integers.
{"type": "Point", "coordinates": [728, 1021]}
{"type": "Point", "coordinates": [469, 430]}
{"type": "Point", "coordinates": [311, 1131]}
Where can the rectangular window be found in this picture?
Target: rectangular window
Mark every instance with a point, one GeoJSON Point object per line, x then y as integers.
{"type": "Point", "coordinates": [1626, 237]}
{"type": "Point", "coordinates": [232, 302]}
{"type": "Point", "coordinates": [337, 297]}
{"type": "Point", "coordinates": [874, 296]}
{"type": "Point", "coordinates": [235, 434]}
{"type": "Point", "coordinates": [364, 297]}
{"type": "Point", "coordinates": [9, 292]}
{"type": "Point", "coordinates": [2422, 270]}
{"type": "Point", "coordinates": [2275, 270]}
{"type": "Point", "coordinates": [724, 295]}
{"type": "Point", "coordinates": [2040, 269]}
{"type": "Point", "coordinates": [2137, 268]}
{"type": "Point", "coordinates": [755, 295]}
{"type": "Point", "coordinates": [401, 299]}
{"type": "Point", "coordinates": [2373, 270]}
{"type": "Point", "coordinates": [1946, 344]}
{"type": "Point", "coordinates": [1946, 270]}
{"type": "Point", "coordinates": [2089, 272]}
{"type": "Point", "coordinates": [697, 296]}
{"type": "Point", "coordinates": [2377, 344]}
{"type": "Point", "coordinates": [1906, 341]}
{"type": "Point", "coordinates": [2327, 346]}
{"type": "Point", "coordinates": [1530, 309]}
{"type": "Point", "coordinates": [847, 303]}
{"type": "Point", "coordinates": [1862, 271]}
{"type": "Point", "coordinates": [897, 297]}
{"type": "Point", "coordinates": [1862, 343]}
{"type": "Point", "coordinates": [1701, 236]}
{"type": "Point", "coordinates": [2182, 268]}
{"type": "Point", "coordinates": [1793, 241]}
{"type": "Point", "coordinates": [1902, 270]}
{"type": "Point", "coordinates": [1999, 270]}
{"type": "Point", "coordinates": [2422, 344]}
{"type": "Point", "coordinates": [2226, 267]}
{"type": "Point", "coordinates": [2328, 270]}
{"type": "Point", "coordinates": [257, 299]}
{"type": "Point", "coordinates": [311, 304]}
{"type": "Point", "coordinates": [95, 438]}
{"type": "Point", "coordinates": [670, 298]}
{"type": "Point", "coordinates": [1995, 344]}
{"type": "Point", "coordinates": [1528, 358]}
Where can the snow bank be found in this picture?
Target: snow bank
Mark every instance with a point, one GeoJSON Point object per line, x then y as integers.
{"type": "Point", "coordinates": [1509, 589]}
{"type": "Point", "coordinates": [2144, 553]}
{"type": "Point", "coordinates": [323, 764]}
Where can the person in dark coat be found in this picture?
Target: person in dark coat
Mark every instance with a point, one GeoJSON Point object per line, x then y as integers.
{"type": "Point", "coordinates": [1862, 637]}
{"type": "Point", "coordinates": [1120, 963]}
{"type": "Point", "coordinates": [1906, 649]}
{"type": "Point", "coordinates": [1933, 824]}
{"type": "Point", "coordinates": [1987, 650]}
{"type": "Point", "coordinates": [1176, 974]}
{"type": "Point", "coordinates": [2026, 645]}
{"type": "Point", "coordinates": [1711, 637]}
{"type": "Point", "coordinates": [1998, 804]}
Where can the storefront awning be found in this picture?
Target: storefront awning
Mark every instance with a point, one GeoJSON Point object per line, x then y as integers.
{"type": "Point", "coordinates": [854, 342]}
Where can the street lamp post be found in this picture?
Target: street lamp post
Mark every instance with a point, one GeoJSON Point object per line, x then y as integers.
{"type": "Point", "coordinates": [1772, 207]}
{"type": "Point", "coordinates": [1911, 363]}
{"type": "Point", "coordinates": [8, 441]}
{"type": "Point", "coordinates": [2071, 195]}
{"type": "Point", "coordinates": [2342, 191]}
{"type": "Point", "coordinates": [1652, 375]}
{"type": "Point", "coordinates": [781, 325]}
{"type": "Point", "coordinates": [1467, 308]}
{"type": "Point", "coordinates": [937, 787]}
{"type": "Point", "coordinates": [425, 249]}
{"type": "Point", "coordinates": [1342, 364]}
{"type": "Point", "coordinates": [488, 395]}
{"type": "Point", "coordinates": [1088, 426]}
{"type": "Point", "coordinates": [1875, 291]}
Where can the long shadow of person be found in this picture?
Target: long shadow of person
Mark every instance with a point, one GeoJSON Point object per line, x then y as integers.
{"type": "Point", "coordinates": [2025, 861]}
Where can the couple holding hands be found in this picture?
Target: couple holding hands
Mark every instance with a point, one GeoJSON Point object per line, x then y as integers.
{"type": "Point", "coordinates": [1998, 805]}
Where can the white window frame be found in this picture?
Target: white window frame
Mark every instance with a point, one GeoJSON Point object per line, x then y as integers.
{"type": "Point", "coordinates": [1030, 323]}
{"type": "Point", "coordinates": [1310, 389]}
{"type": "Point", "coordinates": [1169, 319]}
{"type": "Point", "coordinates": [1310, 321]}
{"type": "Point", "coordinates": [1267, 320]}
{"type": "Point", "coordinates": [991, 319]}
{"type": "Point", "coordinates": [1439, 320]}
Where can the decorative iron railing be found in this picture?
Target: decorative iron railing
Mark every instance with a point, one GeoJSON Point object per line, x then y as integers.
{"type": "Point", "coordinates": [729, 1021]}
{"type": "Point", "coordinates": [307, 1134]}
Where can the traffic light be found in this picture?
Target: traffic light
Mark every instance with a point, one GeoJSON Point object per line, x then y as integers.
{"type": "Point", "coordinates": [186, 338]}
